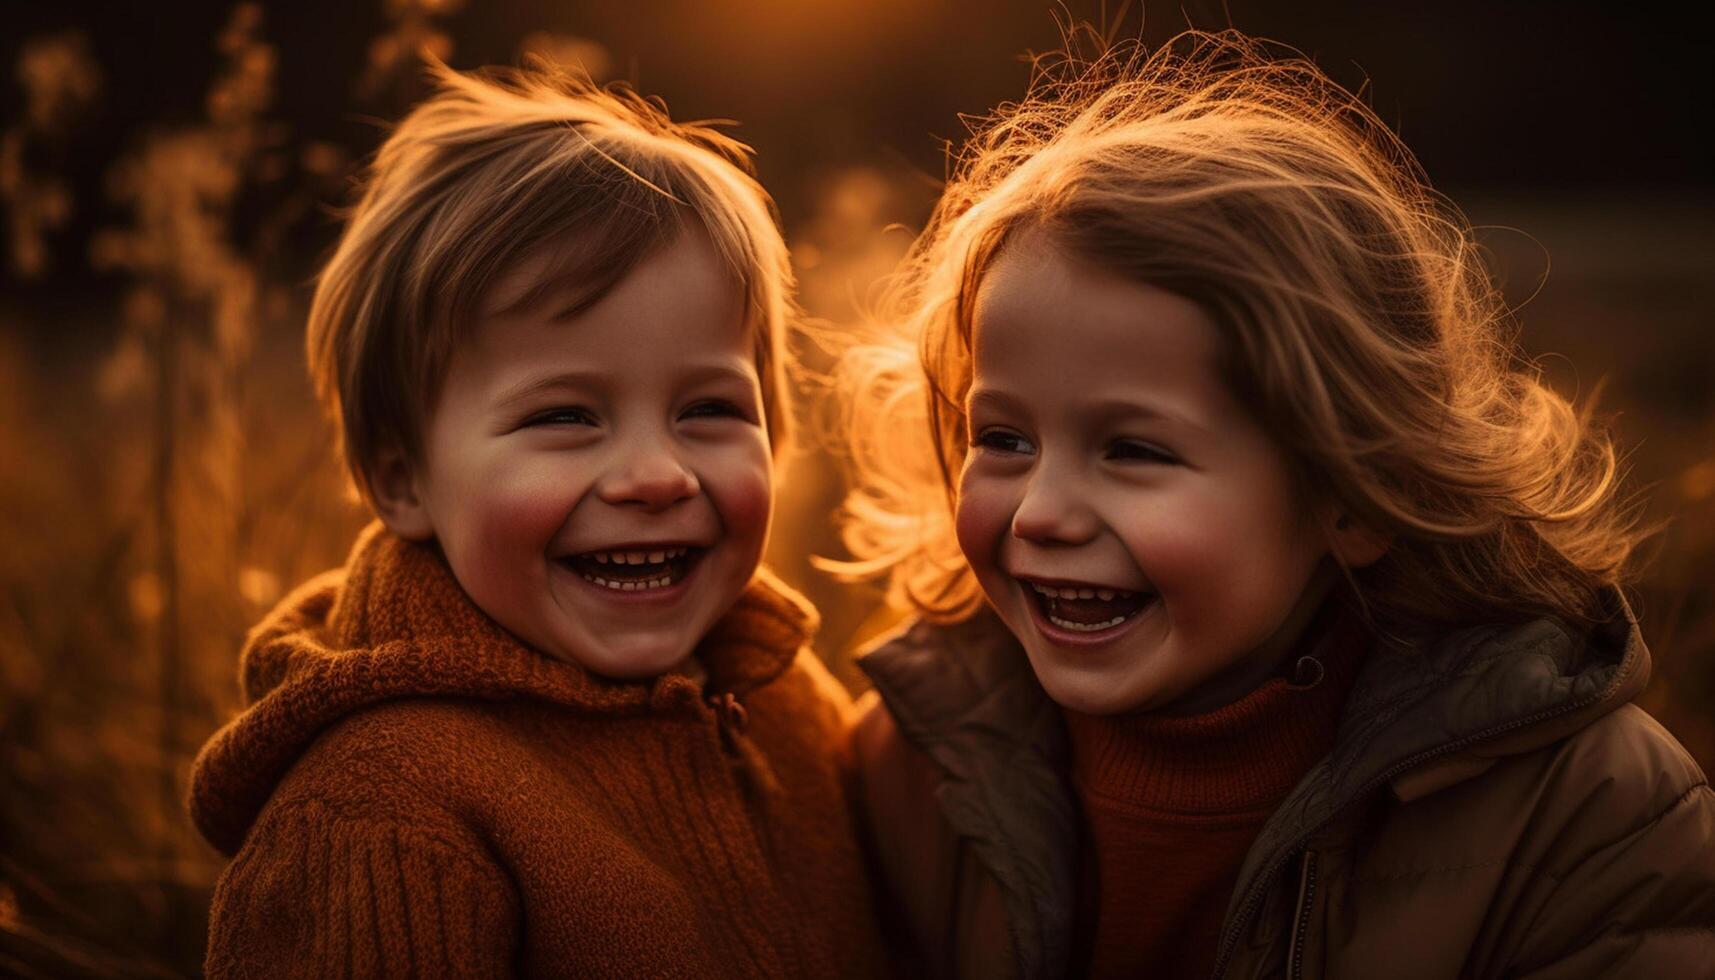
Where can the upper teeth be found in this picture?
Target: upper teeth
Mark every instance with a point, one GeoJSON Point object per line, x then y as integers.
{"type": "Point", "coordinates": [1104, 594]}
{"type": "Point", "coordinates": [637, 557]}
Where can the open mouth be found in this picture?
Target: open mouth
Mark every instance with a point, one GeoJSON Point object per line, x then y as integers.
{"type": "Point", "coordinates": [635, 571]}
{"type": "Point", "coordinates": [1087, 608]}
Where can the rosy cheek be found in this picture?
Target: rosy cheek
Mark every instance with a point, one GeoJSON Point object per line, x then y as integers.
{"type": "Point", "coordinates": [1197, 557]}
{"type": "Point", "coordinates": [524, 504]}
{"type": "Point", "coordinates": [1178, 560]}
{"type": "Point", "coordinates": [981, 519]}
{"type": "Point", "coordinates": [743, 491]}
{"type": "Point", "coordinates": [749, 504]}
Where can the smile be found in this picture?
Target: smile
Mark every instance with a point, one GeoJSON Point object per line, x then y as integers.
{"type": "Point", "coordinates": [634, 570]}
{"type": "Point", "coordinates": [1086, 609]}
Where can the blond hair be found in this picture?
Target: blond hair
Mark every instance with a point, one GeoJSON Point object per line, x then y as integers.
{"type": "Point", "coordinates": [1361, 327]}
{"type": "Point", "coordinates": [488, 169]}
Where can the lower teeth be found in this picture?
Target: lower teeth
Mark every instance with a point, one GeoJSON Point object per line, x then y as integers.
{"type": "Point", "coordinates": [1067, 624]}
{"type": "Point", "coordinates": [654, 583]}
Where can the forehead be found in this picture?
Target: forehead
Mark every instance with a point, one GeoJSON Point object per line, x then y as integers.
{"type": "Point", "coordinates": [1053, 327]}
{"type": "Point", "coordinates": [678, 302]}
{"type": "Point", "coordinates": [577, 265]}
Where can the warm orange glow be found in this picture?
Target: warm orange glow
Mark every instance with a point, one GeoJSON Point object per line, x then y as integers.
{"type": "Point", "coordinates": [168, 477]}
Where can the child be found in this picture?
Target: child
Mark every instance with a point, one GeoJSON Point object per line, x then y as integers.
{"type": "Point", "coordinates": [550, 718]}
{"type": "Point", "coordinates": [1303, 653]}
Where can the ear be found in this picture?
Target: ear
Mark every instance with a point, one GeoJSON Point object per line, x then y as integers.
{"type": "Point", "coordinates": [399, 500]}
{"type": "Point", "coordinates": [1354, 543]}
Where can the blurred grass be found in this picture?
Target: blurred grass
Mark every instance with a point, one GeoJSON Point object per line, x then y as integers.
{"type": "Point", "coordinates": [164, 486]}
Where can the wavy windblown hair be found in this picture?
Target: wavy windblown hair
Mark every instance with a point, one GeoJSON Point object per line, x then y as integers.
{"type": "Point", "coordinates": [495, 167]}
{"type": "Point", "coordinates": [1361, 326]}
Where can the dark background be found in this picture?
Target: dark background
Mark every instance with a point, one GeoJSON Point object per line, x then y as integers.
{"type": "Point", "coordinates": [169, 174]}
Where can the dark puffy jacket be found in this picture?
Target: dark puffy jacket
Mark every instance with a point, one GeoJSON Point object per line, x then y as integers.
{"type": "Point", "coordinates": [1492, 807]}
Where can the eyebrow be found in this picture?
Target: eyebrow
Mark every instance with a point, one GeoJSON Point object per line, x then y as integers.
{"type": "Point", "coordinates": [557, 381]}
{"type": "Point", "coordinates": [1108, 409]}
{"type": "Point", "coordinates": [598, 381]}
{"type": "Point", "coordinates": [990, 397]}
{"type": "Point", "coordinates": [1102, 409]}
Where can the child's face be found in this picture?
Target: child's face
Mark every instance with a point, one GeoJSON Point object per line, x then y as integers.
{"type": "Point", "coordinates": [601, 483]}
{"type": "Point", "coordinates": [1109, 457]}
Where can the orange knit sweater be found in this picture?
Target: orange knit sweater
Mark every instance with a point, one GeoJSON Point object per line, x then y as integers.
{"type": "Point", "coordinates": [412, 791]}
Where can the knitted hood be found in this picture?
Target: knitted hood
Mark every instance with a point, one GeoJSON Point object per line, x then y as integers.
{"type": "Point", "coordinates": [394, 624]}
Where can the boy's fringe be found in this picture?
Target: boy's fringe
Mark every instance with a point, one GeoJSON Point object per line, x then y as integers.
{"type": "Point", "coordinates": [502, 162]}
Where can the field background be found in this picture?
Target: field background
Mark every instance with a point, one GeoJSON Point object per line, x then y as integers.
{"type": "Point", "coordinates": [168, 174]}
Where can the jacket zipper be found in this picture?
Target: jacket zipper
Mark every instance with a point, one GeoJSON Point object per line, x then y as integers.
{"type": "Point", "coordinates": [1301, 929]}
{"type": "Point", "coordinates": [1254, 897]}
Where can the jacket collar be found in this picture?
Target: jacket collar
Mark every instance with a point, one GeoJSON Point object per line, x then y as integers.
{"type": "Point", "coordinates": [965, 695]}
{"type": "Point", "coordinates": [1430, 712]}
{"type": "Point", "coordinates": [1423, 714]}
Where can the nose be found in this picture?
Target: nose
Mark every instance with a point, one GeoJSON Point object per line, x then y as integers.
{"type": "Point", "coordinates": [650, 476]}
{"type": "Point", "coordinates": [1052, 512]}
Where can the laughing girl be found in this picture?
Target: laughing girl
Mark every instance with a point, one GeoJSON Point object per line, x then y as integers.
{"type": "Point", "coordinates": [1269, 608]}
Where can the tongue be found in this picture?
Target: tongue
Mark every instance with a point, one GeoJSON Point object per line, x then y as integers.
{"type": "Point", "coordinates": [1086, 612]}
{"type": "Point", "coordinates": [641, 573]}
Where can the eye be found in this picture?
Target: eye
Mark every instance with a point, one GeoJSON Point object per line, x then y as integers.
{"type": "Point", "coordinates": [714, 408]}
{"type": "Point", "coordinates": [1002, 441]}
{"type": "Point", "coordinates": [564, 415]}
{"type": "Point", "coordinates": [1130, 450]}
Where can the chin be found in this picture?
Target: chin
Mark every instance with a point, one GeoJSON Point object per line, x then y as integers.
{"type": "Point", "coordinates": [1085, 693]}
{"type": "Point", "coordinates": [641, 659]}
{"type": "Point", "coordinates": [640, 664]}
{"type": "Point", "coordinates": [1088, 702]}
